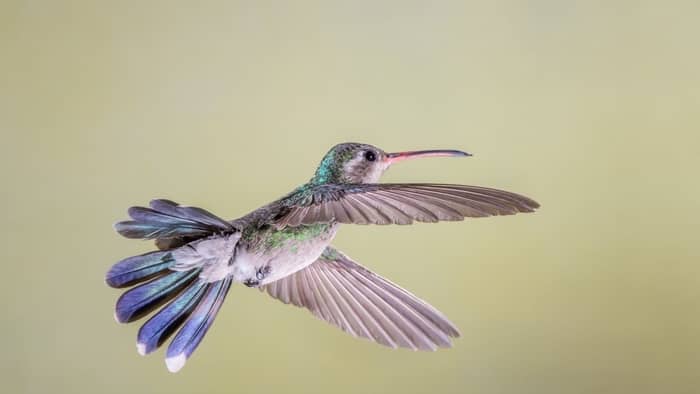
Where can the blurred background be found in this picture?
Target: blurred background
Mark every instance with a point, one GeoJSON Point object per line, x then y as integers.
{"type": "Point", "coordinates": [591, 108]}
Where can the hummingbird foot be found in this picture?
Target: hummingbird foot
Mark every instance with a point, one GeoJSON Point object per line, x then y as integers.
{"type": "Point", "coordinates": [250, 282]}
{"type": "Point", "coordinates": [260, 274]}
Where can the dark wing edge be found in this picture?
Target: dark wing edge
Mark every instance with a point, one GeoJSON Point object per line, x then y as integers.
{"type": "Point", "coordinates": [402, 204]}
{"type": "Point", "coordinates": [340, 291]}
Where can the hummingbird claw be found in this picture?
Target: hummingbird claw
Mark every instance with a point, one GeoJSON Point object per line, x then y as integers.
{"type": "Point", "coordinates": [251, 282]}
{"type": "Point", "coordinates": [263, 272]}
{"type": "Point", "coordinates": [260, 274]}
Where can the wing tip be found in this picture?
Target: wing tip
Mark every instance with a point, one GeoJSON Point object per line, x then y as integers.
{"type": "Point", "coordinates": [526, 203]}
{"type": "Point", "coordinates": [534, 205]}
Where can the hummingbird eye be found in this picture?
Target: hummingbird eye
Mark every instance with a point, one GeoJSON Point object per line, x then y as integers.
{"type": "Point", "coordinates": [370, 156]}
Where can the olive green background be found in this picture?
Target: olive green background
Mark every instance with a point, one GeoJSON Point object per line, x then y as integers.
{"type": "Point", "coordinates": [591, 108]}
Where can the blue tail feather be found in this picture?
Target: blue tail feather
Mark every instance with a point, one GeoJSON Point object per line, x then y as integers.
{"type": "Point", "coordinates": [194, 304]}
{"type": "Point", "coordinates": [152, 230]}
{"type": "Point", "coordinates": [142, 299]}
{"type": "Point", "coordinates": [166, 219]}
{"type": "Point", "coordinates": [192, 214]}
{"type": "Point", "coordinates": [192, 333]}
{"type": "Point", "coordinates": [159, 327]}
{"type": "Point", "coordinates": [137, 269]}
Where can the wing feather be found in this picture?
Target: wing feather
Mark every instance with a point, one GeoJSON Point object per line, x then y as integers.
{"type": "Point", "coordinates": [394, 203]}
{"type": "Point", "coordinates": [332, 308]}
{"type": "Point", "coordinates": [363, 304]}
{"type": "Point", "coordinates": [371, 314]}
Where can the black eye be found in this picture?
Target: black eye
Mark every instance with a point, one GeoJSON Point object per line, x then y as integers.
{"type": "Point", "coordinates": [370, 156]}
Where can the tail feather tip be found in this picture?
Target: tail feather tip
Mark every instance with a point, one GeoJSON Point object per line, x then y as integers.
{"type": "Point", "coordinates": [141, 348]}
{"type": "Point", "coordinates": [175, 363]}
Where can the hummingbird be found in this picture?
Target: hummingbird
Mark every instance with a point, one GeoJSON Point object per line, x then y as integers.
{"type": "Point", "coordinates": [284, 249]}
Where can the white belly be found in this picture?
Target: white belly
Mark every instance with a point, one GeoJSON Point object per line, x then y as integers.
{"type": "Point", "coordinates": [282, 259]}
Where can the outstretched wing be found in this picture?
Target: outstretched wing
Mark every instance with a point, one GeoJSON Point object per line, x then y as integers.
{"type": "Point", "coordinates": [395, 203]}
{"type": "Point", "coordinates": [363, 304]}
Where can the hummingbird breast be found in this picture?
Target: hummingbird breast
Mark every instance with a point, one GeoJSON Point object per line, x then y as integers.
{"type": "Point", "coordinates": [267, 254]}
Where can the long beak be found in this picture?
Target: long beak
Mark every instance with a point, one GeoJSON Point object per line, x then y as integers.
{"type": "Point", "coordinates": [392, 158]}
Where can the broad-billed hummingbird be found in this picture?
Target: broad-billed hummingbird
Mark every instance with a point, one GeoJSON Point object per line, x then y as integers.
{"type": "Point", "coordinates": [284, 249]}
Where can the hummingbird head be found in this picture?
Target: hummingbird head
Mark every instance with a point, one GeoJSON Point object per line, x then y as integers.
{"type": "Point", "coordinates": [351, 162]}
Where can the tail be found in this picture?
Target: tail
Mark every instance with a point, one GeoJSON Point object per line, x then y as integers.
{"type": "Point", "coordinates": [192, 303]}
{"type": "Point", "coordinates": [166, 221]}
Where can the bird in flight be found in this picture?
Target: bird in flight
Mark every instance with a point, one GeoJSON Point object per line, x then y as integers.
{"type": "Point", "coordinates": [283, 248]}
